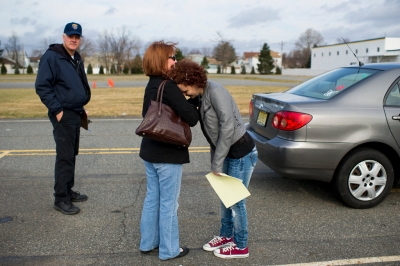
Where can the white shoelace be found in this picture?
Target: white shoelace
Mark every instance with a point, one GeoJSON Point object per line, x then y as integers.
{"type": "Point", "coordinates": [228, 248]}
{"type": "Point", "coordinates": [215, 240]}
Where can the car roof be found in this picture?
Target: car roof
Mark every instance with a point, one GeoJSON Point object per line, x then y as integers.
{"type": "Point", "coordinates": [380, 66]}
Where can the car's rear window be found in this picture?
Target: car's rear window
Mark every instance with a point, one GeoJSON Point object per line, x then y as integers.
{"type": "Point", "coordinates": [332, 83]}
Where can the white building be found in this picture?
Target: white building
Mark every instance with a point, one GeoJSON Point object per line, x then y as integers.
{"type": "Point", "coordinates": [23, 62]}
{"type": "Point", "coordinates": [250, 60]}
{"type": "Point", "coordinates": [378, 50]}
{"type": "Point", "coordinates": [212, 63]}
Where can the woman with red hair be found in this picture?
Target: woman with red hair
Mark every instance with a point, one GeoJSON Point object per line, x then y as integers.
{"type": "Point", "coordinates": [163, 161]}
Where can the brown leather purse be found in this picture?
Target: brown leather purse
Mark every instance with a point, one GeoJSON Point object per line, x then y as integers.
{"type": "Point", "coordinates": [161, 123]}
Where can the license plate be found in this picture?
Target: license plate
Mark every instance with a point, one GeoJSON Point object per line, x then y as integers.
{"type": "Point", "coordinates": [262, 118]}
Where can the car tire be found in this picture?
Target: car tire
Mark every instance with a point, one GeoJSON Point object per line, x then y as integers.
{"type": "Point", "coordinates": [364, 178]}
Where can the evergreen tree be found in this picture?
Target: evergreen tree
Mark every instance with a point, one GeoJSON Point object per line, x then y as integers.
{"type": "Point", "coordinates": [89, 69]}
{"type": "Point", "coordinates": [101, 71]}
{"type": "Point", "coordinates": [219, 69]}
{"type": "Point", "coordinates": [178, 55]}
{"type": "Point", "coordinates": [137, 70]}
{"type": "Point", "coordinates": [126, 69]}
{"type": "Point", "coordinates": [204, 64]}
{"type": "Point", "coordinates": [253, 71]}
{"type": "Point", "coordinates": [136, 64]}
{"type": "Point", "coordinates": [113, 70]}
{"type": "Point", "coordinates": [233, 71]}
{"type": "Point", "coordinates": [243, 70]}
{"type": "Point", "coordinates": [29, 70]}
{"type": "Point", "coordinates": [3, 69]}
{"type": "Point", "coordinates": [308, 64]}
{"type": "Point", "coordinates": [266, 62]}
{"type": "Point", "coordinates": [278, 71]}
{"type": "Point", "coordinates": [16, 71]}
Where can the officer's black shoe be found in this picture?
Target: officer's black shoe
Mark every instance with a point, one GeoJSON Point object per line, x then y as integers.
{"type": "Point", "coordinates": [77, 197]}
{"type": "Point", "coordinates": [66, 207]}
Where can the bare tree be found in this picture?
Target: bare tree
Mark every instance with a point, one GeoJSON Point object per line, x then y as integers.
{"type": "Point", "coordinates": [224, 51]}
{"type": "Point", "coordinates": [86, 48]}
{"type": "Point", "coordinates": [103, 43]}
{"type": "Point", "coordinates": [44, 45]}
{"type": "Point", "coordinates": [132, 49]}
{"type": "Point", "coordinates": [307, 40]}
{"type": "Point", "coordinates": [206, 51]}
{"type": "Point", "coordinates": [116, 49]}
{"type": "Point", "coordinates": [118, 46]}
{"type": "Point", "coordinates": [293, 59]}
{"type": "Point", "coordinates": [13, 47]}
{"type": "Point", "coordinates": [1, 50]}
{"type": "Point", "coordinates": [184, 50]}
{"type": "Point", "coordinates": [195, 51]}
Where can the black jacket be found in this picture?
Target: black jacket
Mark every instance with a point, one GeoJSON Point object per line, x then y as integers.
{"type": "Point", "coordinates": [61, 82]}
{"type": "Point", "coordinates": [159, 152]}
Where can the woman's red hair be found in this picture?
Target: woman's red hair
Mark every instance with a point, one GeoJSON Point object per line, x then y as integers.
{"type": "Point", "coordinates": [156, 57]}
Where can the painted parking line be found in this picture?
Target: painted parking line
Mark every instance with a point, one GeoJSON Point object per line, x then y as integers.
{"type": "Point", "coordinates": [348, 262]}
{"type": "Point", "coordinates": [102, 151]}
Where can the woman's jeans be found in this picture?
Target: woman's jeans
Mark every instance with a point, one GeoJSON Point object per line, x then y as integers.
{"type": "Point", "coordinates": [234, 218]}
{"type": "Point", "coordinates": [159, 223]}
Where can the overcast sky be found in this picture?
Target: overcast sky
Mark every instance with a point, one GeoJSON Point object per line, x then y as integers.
{"type": "Point", "coordinates": [194, 23]}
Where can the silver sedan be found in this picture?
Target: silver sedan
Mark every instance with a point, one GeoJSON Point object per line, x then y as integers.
{"type": "Point", "coordinates": [341, 127]}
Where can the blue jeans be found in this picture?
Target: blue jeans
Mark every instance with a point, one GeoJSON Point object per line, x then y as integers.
{"type": "Point", "coordinates": [234, 218]}
{"type": "Point", "coordinates": [159, 222]}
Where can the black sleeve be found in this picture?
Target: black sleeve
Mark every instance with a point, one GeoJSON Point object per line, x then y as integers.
{"type": "Point", "coordinates": [194, 101]}
{"type": "Point", "coordinates": [45, 82]}
{"type": "Point", "coordinates": [174, 97]}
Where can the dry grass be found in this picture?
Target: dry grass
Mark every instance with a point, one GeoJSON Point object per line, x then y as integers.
{"type": "Point", "coordinates": [116, 102]}
{"type": "Point", "coordinates": [96, 77]}
{"type": "Point", "coordinates": [32, 78]}
{"type": "Point", "coordinates": [24, 103]}
{"type": "Point", "coordinates": [21, 103]}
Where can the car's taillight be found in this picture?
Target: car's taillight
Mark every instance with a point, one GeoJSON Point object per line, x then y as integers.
{"type": "Point", "coordinates": [251, 109]}
{"type": "Point", "coordinates": [289, 121]}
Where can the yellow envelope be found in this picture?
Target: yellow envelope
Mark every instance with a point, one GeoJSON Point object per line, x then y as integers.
{"type": "Point", "coordinates": [229, 189]}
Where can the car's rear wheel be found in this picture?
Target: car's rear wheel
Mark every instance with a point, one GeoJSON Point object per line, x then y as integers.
{"type": "Point", "coordinates": [364, 178]}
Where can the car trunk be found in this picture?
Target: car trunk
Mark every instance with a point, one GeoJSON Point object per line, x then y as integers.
{"type": "Point", "coordinates": [265, 106]}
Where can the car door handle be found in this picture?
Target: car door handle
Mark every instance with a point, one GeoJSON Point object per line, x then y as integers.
{"type": "Point", "coordinates": [396, 117]}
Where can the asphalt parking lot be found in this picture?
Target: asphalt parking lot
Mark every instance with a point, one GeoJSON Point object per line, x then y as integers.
{"type": "Point", "coordinates": [223, 79]}
{"type": "Point", "coordinates": [290, 221]}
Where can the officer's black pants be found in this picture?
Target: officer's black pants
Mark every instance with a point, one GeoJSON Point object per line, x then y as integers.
{"type": "Point", "coordinates": [66, 135]}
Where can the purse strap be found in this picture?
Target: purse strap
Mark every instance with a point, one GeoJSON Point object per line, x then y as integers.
{"type": "Point", "coordinates": [161, 88]}
{"type": "Point", "coordinates": [160, 93]}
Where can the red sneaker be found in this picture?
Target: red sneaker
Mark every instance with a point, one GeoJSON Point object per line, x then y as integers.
{"type": "Point", "coordinates": [232, 252]}
{"type": "Point", "coordinates": [218, 242]}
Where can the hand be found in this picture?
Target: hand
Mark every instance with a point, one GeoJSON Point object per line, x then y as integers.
{"type": "Point", "coordinates": [59, 116]}
{"type": "Point", "coordinates": [216, 173]}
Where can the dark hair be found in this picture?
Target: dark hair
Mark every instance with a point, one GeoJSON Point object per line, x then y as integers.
{"type": "Point", "coordinates": [156, 57]}
{"type": "Point", "coordinates": [189, 73]}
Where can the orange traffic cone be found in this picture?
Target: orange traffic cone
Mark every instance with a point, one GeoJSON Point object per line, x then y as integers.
{"type": "Point", "coordinates": [94, 85]}
{"type": "Point", "coordinates": [111, 83]}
